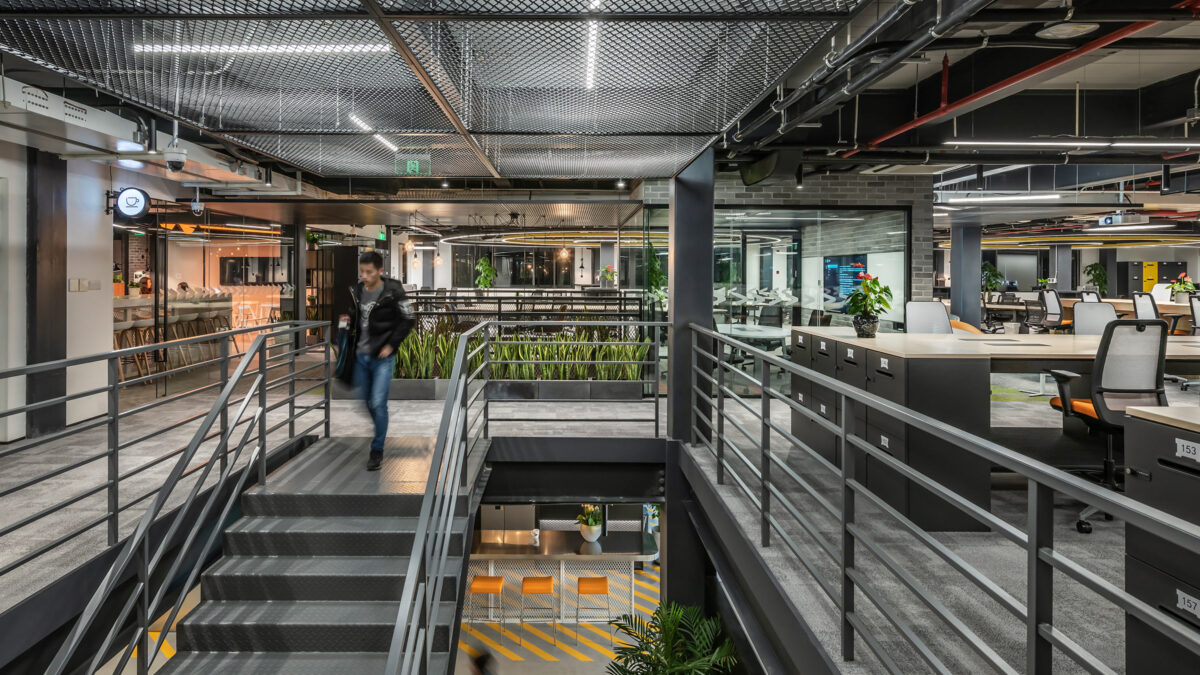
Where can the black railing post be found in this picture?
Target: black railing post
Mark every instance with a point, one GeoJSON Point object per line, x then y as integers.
{"type": "Point", "coordinates": [114, 443]}
{"type": "Point", "coordinates": [291, 388]}
{"type": "Point", "coordinates": [1040, 583]}
{"type": "Point", "coordinates": [765, 442]}
{"type": "Point", "coordinates": [262, 407]}
{"type": "Point", "coordinates": [848, 474]}
{"type": "Point", "coordinates": [224, 370]}
{"type": "Point", "coordinates": [485, 348]}
{"type": "Point", "coordinates": [143, 607]}
{"type": "Point", "coordinates": [719, 352]}
{"type": "Point", "coordinates": [656, 385]}
{"type": "Point", "coordinates": [464, 423]}
{"type": "Point", "coordinates": [328, 333]}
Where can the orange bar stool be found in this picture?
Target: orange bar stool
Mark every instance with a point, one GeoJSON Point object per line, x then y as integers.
{"type": "Point", "coordinates": [487, 586]}
{"type": "Point", "coordinates": [538, 586]}
{"type": "Point", "coordinates": [592, 586]}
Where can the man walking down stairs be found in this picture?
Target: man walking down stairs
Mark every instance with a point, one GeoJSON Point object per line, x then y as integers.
{"type": "Point", "coordinates": [310, 577]}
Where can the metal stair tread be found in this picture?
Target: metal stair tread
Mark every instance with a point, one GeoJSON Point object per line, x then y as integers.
{"type": "Point", "coordinates": [264, 663]}
{"type": "Point", "coordinates": [305, 612]}
{"type": "Point", "coordinates": [327, 524]}
{"type": "Point", "coordinates": [250, 565]}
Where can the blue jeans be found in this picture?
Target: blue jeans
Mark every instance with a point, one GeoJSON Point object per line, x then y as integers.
{"type": "Point", "coordinates": [371, 377]}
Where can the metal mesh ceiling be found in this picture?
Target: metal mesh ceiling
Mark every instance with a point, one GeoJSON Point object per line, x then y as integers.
{"type": "Point", "coordinates": [639, 98]}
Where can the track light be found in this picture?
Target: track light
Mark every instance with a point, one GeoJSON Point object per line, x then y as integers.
{"type": "Point", "coordinates": [445, 183]}
{"type": "Point", "coordinates": [800, 177]}
{"type": "Point", "coordinates": [620, 183]}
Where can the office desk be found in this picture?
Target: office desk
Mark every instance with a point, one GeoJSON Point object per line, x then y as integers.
{"type": "Point", "coordinates": [946, 377]}
{"type": "Point", "coordinates": [1166, 457]}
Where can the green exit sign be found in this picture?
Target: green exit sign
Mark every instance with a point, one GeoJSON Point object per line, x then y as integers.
{"type": "Point", "coordinates": [413, 165]}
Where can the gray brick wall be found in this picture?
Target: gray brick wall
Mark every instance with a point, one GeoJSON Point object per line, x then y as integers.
{"type": "Point", "coordinates": [837, 190]}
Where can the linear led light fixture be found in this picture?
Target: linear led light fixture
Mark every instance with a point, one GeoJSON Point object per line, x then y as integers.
{"type": "Point", "coordinates": [946, 208]}
{"type": "Point", "coordinates": [1126, 228]}
{"type": "Point", "coordinates": [367, 127]}
{"type": "Point", "coordinates": [1155, 144]}
{"type": "Point", "coordinates": [1066, 143]}
{"type": "Point", "coordinates": [261, 49]}
{"type": "Point", "coordinates": [593, 37]}
{"type": "Point", "coordinates": [1002, 198]}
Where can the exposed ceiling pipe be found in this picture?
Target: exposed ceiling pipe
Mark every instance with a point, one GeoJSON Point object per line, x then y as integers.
{"type": "Point", "coordinates": [1098, 43]}
{"type": "Point", "coordinates": [868, 77]}
{"type": "Point", "coordinates": [933, 157]}
{"type": "Point", "coordinates": [833, 64]}
{"type": "Point", "coordinates": [1082, 15]}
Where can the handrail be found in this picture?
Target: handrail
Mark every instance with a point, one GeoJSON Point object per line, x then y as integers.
{"type": "Point", "coordinates": [1043, 560]}
{"type": "Point", "coordinates": [136, 554]}
{"type": "Point", "coordinates": [458, 434]}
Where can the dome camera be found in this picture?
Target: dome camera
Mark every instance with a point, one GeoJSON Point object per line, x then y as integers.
{"type": "Point", "coordinates": [175, 158]}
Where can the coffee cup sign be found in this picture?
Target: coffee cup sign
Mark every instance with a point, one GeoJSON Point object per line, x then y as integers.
{"type": "Point", "coordinates": [132, 203]}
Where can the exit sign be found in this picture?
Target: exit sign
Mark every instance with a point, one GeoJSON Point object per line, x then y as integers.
{"type": "Point", "coordinates": [413, 165]}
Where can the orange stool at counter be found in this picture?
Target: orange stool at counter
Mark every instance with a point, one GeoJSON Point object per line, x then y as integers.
{"type": "Point", "coordinates": [538, 586]}
{"type": "Point", "coordinates": [593, 586]}
{"type": "Point", "coordinates": [487, 586]}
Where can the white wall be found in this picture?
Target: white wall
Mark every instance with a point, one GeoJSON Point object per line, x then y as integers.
{"type": "Point", "coordinates": [443, 275]}
{"type": "Point", "coordinates": [415, 272]}
{"type": "Point", "coordinates": [584, 277]}
{"type": "Point", "coordinates": [779, 261]}
{"type": "Point", "coordinates": [753, 265]}
{"type": "Point", "coordinates": [186, 263]}
{"type": "Point", "coordinates": [12, 276]}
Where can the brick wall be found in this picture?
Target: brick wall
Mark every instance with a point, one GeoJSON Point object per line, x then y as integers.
{"type": "Point", "coordinates": [837, 190]}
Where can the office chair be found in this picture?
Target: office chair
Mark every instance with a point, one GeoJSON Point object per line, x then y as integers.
{"type": "Point", "coordinates": [926, 316]}
{"type": "Point", "coordinates": [771, 315]}
{"type": "Point", "coordinates": [964, 327]}
{"type": "Point", "coordinates": [1146, 309]}
{"type": "Point", "coordinates": [1053, 319]}
{"type": "Point", "coordinates": [1089, 296]}
{"type": "Point", "coordinates": [1035, 315]}
{"type": "Point", "coordinates": [1092, 317]}
{"type": "Point", "coordinates": [1128, 372]}
{"type": "Point", "coordinates": [819, 318]}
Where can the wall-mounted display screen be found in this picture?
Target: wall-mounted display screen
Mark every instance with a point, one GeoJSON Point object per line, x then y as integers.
{"type": "Point", "coordinates": [841, 277]}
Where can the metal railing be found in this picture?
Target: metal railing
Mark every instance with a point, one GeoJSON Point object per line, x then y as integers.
{"type": "Point", "coordinates": [463, 431]}
{"type": "Point", "coordinates": [139, 556]}
{"type": "Point", "coordinates": [713, 389]}
{"type": "Point", "coordinates": [432, 306]}
{"type": "Point", "coordinates": [221, 348]}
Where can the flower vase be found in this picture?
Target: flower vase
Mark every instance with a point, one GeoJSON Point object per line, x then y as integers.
{"type": "Point", "coordinates": [590, 532]}
{"type": "Point", "coordinates": [866, 325]}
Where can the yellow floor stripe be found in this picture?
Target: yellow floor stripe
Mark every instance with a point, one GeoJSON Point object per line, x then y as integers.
{"type": "Point", "coordinates": [584, 641]}
{"type": "Point", "coordinates": [524, 643]}
{"type": "Point", "coordinates": [604, 635]}
{"type": "Point", "coordinates": [639, 582]}
{"type": "Point", "coordinates": [646, 597]}
{"type": "Point", "coordinates": [471, 651]}
{"type": "Point", "coordinates": [550, 640]}
{"type": "Point", "coordinates": [644, 608]}
{"type": "Point", "coordinates": [166, 649]}
{"type": "Point", "coordinates": [504, 651]}
{"type": "Point", "coordinates": [652, 576]}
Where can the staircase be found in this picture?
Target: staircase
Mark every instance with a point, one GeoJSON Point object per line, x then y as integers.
{"type": "Point", "coordinates": [311, 576]}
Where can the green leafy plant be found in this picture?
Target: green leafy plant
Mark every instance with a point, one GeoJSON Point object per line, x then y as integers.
{"type": "Point", "coordinates": [312, 237]}
{"type": "Point", "coordinates": [445, 345]}
{"type": "Point", "coordinates": [991, 277]}
{"type": "Point", "coordinates": [871, 298]}
{"type": "Point", "coordinates": [676, 639]}
{"type": "Point", "coordinates": [416, 357]}
{"type": "Point", "coordinates": [1183, 284]}
{"type": "Point", "coordinates": [118, 279]}
{"type": "Point", "coordinates": [656, 279]}
{"type": "Point", "coordinates": [608, 273]}
{"type": "Point", "coordinates": [486, 273]}
{"type": "Point", "coordinates": [1042, 283]}
{"type": "Point", "coordinates": [591, 515]}
{"type": "Point", "coordinates": [1097, 275]}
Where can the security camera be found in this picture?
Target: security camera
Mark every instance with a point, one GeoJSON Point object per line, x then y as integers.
{"type": "Point", "coordinates": [197, 207]}
{"type": "Point", "coordinates": [175, 158]}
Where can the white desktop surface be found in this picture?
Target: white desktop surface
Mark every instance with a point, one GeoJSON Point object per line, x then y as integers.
{"type": "Point", "coordinates": [1182, 417]}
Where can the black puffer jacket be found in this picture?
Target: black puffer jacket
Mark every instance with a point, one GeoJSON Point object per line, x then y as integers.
{"type": "Point", "coordinates": [390, 322]}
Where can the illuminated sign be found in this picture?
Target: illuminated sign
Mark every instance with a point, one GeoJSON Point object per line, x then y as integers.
{"type": "Point", "coordinates": [133, 203]}
{"type": "Point", "coordinates": [413, 165]}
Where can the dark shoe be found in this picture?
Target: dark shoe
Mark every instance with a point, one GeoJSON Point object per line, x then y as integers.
{"type": "Point", "coordinates": [376, 460]}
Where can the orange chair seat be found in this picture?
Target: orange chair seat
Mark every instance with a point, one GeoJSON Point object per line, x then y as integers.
{"type": "Point", "coordinates": [593, 585]}
{"type": "Point", "coordinates": [487, 585]}
{"type": "Point", "coordinates": [1082, 406]}
{"type": "Point", "coordinates": [537, 586]}
{"type": "Point", "coordinates": [963, 325]}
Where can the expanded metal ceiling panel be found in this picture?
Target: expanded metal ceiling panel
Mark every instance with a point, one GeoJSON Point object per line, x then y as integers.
{"type": "Point", "coordinates": [606, 77]}
{"type": "Point", "coordinates": [590, 156]}
{"type": "Point", "coordinates": [448, 154]}
{"type": "Point", "coordinates": [750, 7]}
{"type": "Point", "coordinates": [278, 75]}
{"type": "Point", "coordinates": [198, 7]}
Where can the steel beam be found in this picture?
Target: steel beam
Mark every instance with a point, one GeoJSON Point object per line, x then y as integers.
{"type": "Point", "coordinates": [401, 46]}
{"type": "Point", "coordinates": [1080, 15]}
{"type": "Point", "coordinates": [765, 17]}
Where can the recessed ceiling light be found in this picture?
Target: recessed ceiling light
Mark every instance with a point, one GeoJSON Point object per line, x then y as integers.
{"type": "Point", "coordinates": [1065, 30]}
{"type": "Point", "coordinates": [261, 49]}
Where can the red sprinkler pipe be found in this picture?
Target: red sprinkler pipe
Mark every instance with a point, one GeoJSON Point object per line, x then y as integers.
{"type": "Point", "coordinates": [1066, 57]}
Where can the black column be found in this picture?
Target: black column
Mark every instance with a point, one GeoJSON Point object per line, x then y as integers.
{"type": "Point", "coordinates": [1060, 267]}
{"type": "Point", "coordinates": [1108, 258]}
{"type": "Point", "coordinates": [966, 257]}
{"type": "Point", "coordinates": [46, 287]}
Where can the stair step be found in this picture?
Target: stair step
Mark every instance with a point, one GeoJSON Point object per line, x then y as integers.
{"type": "Point", "coordinates": [333, 536]}
{"type": "Point", "coordinates": [268, 663]}
{"type": "Point", "coordinates": [314, 578]}
{"type": "Point", "coordinates": [299, 626]}
{"type": "Point", "coordinates": [258, 502]}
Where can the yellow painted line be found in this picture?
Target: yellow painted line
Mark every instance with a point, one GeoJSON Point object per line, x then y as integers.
{"type": "Point", "coordinates": [505, 652]}
{"type": "Point", "coordinates": [646, 597]}
{"type": "Point", "coordinates": [647, 574]}
{"type": "Point", "coordinates": [519, 640]}
{"type": "Point", "coordinates": [471, 651]}
{"type": "Point", "coordinates": [643, 584]}
{"type": "Point", "coordinates": [166, 649]}
{"type": "Point", "coordinates": [604, 635]}
{"type": "Point", "coordinates": [644, 608]}
{"type": "Point", "coordinates": [577, 654]}
{"type": "Point", "coordinates": [584, 641]}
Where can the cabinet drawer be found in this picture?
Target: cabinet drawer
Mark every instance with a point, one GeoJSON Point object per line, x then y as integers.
{"type": "Point", "coordinates": [826, 408]}
{"type": "Point", "coordinates": [885, 423]}
{"type": "Point", "coordinates": [852, 365]}
{"type": "Point", "coordinates": [886, 376]}
{"type": "Point", "coordinates": [801, 390]}
{"type": "Point", "coordinates": [801, 349]}
{"type": "Point", "coordinates": [824, 357]}
{"type": "Point", "coordinates": [884, 439]}
{"type": "Point", "coordinates": [1146, 650]}
{"type": "Point", "coordinates": [1168, 464]}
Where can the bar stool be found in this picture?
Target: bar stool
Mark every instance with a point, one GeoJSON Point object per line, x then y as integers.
{"type": "Point", "coordinates": [487, 586]}
{"type": "Point", "coordinates": [121, 340]}
{"type": "Point", "coordinates": [142, 333]}
{"type": "Point", "coordinates": [592, 586]}
{"type": "Point", "coordinates": [538, 586]}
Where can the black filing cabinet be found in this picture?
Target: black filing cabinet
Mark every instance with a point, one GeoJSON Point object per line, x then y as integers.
{"type": "Point", "coordinates": [1162, 574]}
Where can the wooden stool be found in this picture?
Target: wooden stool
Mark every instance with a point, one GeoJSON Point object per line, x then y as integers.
{"type": "Point", "coordinates": [487, 586]}
{"type": "Point", "coordinates": [538, 586]}
{"type": "Point", "coordinates": [592, 586]}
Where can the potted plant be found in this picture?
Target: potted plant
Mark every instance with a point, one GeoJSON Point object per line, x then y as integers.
{"type": "Point", "coordinates": [608, 277]}
{"type": "Point", "coordinates": [118, 285]}
{"type": "Point", "coordinates": [653, 516]}
{"type": "Point", "coordinates": [1182, 287]}
{"type": "Point", "coordinates": [1042, 284]}
{"type": "Point", "coordinates": [313, 239]}
{"type": "Point", "coordinates": [487, 273]}
{"type": "Point", "coordinates": [1097, 275]}
{"type": "Point", "coordinates": [656, 279]}
{"type": "Point", "coordinates": [867, 302]}
{"type": "Point", "coordinates": [676, 639]}
{"type": "Point", "coordinates": [991, 278]}
{"type": "Point", "coordinates": [590, 521]}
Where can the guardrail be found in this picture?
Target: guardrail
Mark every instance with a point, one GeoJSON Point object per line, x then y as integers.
{"type": "Point", "coordinates": [464, 426]}
{"type": "Point", "coordinates": [711, 390]}
{"type": "Point", "coordinates": [223, 344]}
{"type": "Point", "coordinates": [137, 557]}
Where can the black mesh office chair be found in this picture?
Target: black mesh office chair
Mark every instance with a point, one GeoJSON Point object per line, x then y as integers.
{"type": "Point", "coordinates": [1035, 315]}
{"type": "Point", "coordinates": [1146, 308]}
{"type": "Point", "coordinates": [1053, 319]}
{"type": "Point", "coordinates": [1194, 303]}
{"type": "Point", "coordinates": [1128, 372]}
{"type": "Point", "coordinates": [771, 315]}
{"type": "Point", "coordinates": [1089, 296]}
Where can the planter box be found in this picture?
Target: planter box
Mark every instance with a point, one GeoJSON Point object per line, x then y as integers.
{"type": "Point", "coordinates": [563, 389]}
{"type": "Point", "coordinates": [612, 390]}
{"type": "Point", "coordinates": [118, 290]}
{"type": "Point", "coordinates": [512, 390]}
{"type": "Point", "coordinates": [401, 390]}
